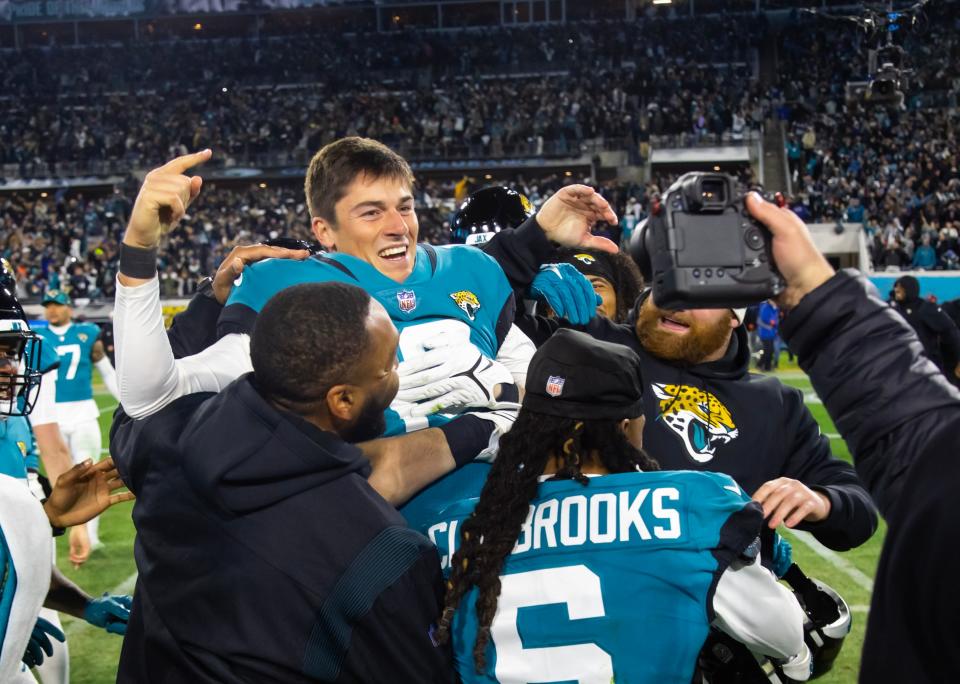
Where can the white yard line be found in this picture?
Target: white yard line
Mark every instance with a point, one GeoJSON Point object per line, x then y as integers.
{"type": "Point", "coordinates": [832, 557]}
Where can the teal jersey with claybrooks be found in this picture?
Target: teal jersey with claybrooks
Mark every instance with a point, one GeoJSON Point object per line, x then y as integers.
{"type": "Point", "coordinates": [608, 582]}
{"type": "Point", "coordinates": [16, 446]}
{"type": "Point", "coordinates": [73, 347]}
{"type": "Point", "coordinates": [454, 290]}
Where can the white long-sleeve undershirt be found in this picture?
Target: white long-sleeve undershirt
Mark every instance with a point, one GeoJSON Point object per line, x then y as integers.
{"type": "Point", "coordinates": [148, 376]}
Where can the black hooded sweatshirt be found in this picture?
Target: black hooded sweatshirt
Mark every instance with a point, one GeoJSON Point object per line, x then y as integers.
{"type": "Point", "coordinates": [715, 416]}
{"type": "Point", "coordinates": [265, 556]}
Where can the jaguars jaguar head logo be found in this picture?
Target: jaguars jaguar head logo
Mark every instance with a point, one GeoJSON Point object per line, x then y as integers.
{"type": "Point", "coordinates": [467, 301]}
{"type": "Point", "coordinates": [697, 417]}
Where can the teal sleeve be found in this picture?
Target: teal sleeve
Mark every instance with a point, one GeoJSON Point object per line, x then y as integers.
{"type": "Point", "coordinates": [14, 445]}
{"type": "Point", "coordinates": [261, 281]}
{"type": "Point", "coordinates": [253, 288]}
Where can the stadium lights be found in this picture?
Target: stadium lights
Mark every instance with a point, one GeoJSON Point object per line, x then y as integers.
{"type": "Point", "coordinates": [716, 168]}
{"type": "Point", "coordinates": [568, 173]}
{"type": "Point", "coordinates": [198, 26]}
{"type": "Point", "coordinates": [487, 177]}
{"type": "Point", "coordinates": [662, 2]}
{"type": "Point", "coordinates": [43, 194]}
{"type": "Point", "coordinates": [223, 90]}
{"type": "Point", "coordinates": [263, 185]}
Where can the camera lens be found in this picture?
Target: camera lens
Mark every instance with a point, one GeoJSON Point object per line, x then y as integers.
{"type": "Point", "coordinates": [712, 190]}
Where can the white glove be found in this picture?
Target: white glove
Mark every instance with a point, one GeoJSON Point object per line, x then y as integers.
{"type": "Point", "coordinates": [33, 482]}
{"type": "Point", "coordinates": [449, 379]}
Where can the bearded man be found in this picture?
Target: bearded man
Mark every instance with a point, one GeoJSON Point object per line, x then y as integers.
{"type": "Point", "coordinates": [704, 409]}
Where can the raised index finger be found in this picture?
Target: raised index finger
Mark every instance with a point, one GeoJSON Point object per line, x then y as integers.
{"type": "Point", "coordinates": [187, 161]}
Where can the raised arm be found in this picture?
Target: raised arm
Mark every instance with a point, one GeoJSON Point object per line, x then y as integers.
{"type": "Point", "coordinates": [148, 375]}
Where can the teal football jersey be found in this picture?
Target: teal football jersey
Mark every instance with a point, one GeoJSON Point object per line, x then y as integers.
{"type": "Point", "coordinates": [73, 347]}
{"type": "Point", "coordinates": [608, 582]}
{"type": "Point", "coordinates": [16, 445]}
{"type": "Point", "coordinates": [454, 290]}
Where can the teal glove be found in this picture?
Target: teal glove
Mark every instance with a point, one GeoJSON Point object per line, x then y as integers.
{"type": "Point", "coordinates": [109, 612]}
{"type": "Point", "coordinates": [40, 642]}
{"type": "Point", "coordinates": [782, 555]}
{"type": "Point", "coordinates": [567, 291]}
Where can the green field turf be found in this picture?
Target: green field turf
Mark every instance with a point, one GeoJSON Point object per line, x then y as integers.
{"type": "Point", "coordinates": [94, 653]}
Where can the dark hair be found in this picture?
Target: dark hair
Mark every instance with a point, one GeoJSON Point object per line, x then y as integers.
{"type": "Point", "coordinates": [307, 339]}
{"type": "Point", "coordinates": [334, 167]}
{"type": "Point", "coordinates": [491, 531]}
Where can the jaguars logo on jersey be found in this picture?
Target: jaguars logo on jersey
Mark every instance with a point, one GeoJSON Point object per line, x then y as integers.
{"type": "Point", "coordinates": [467, 301]}
{"type": "Point", "coordinates": [697, 417]}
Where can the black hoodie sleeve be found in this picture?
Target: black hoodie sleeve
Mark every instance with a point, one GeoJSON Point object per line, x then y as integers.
{"type": "Point", "coordinates": [195, 328]}
{"type": "Point", "coordinates": [853, 516]}
{"type": "Point", "coordinates": [521, 251]}
{"type": "Point", "coordinates": [888, 400]}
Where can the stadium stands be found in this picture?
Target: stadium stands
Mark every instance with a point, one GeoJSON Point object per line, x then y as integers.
{"type": "Point", "coordinates": [554, 92]}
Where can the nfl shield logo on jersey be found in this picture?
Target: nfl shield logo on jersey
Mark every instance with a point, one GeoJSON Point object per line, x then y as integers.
{"type": "Point", "coordinates": [407, 300]}
{"type": "Point", "coordinates": [555, 385]}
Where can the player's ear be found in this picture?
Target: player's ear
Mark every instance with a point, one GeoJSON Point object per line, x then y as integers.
{"type": "Point", "coordinates": [325, 233]}
{"type": "Point", "coordinates": [344, 402]}
{"type": "Point", "coordinates": [633, 430]}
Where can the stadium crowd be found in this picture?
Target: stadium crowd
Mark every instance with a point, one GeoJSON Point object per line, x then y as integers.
{"type": "Point", "coordinates": [894, 170]}
{"type": "Point", "coordinates": [426, 94]}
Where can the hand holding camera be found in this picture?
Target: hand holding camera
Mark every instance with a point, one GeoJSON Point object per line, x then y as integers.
{"type": "Point", "coordinates": [705, 247]}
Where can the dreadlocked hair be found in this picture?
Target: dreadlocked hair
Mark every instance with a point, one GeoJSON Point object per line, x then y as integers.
{"type": "Point", "coordinates": [490, 533]}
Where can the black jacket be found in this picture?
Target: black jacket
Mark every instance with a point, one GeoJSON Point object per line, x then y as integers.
{"type": "Point", "coordinates": [265, 556]}
{"type": "Point", "coordinates": [900, 418]}
{"type": "Point", "coordinates": [716, 416]}
{"type": "Point", "coordinates": [937, 332]}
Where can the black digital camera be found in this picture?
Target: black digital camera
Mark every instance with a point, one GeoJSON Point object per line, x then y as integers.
{"type": "Point", "coordinates": [700, 249]}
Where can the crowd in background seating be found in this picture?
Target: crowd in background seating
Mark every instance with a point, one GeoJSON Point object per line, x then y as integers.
{"type": "Point", "coordinates": [490, 93]}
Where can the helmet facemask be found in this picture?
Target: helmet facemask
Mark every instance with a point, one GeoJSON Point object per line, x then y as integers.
{"type": "Point", "coordinates": [19, 374]}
